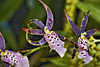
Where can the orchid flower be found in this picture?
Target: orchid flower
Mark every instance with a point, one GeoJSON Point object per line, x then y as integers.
{"type": "Point", "coordinates": [82, 41]}
{"type": "Point", "coordinates": [51, 37]}
{"type": "Point", "coordinates": [11, 57]}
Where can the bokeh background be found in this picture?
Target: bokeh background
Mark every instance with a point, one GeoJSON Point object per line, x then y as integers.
{"type": "Point", "coordinates": [14, 15]}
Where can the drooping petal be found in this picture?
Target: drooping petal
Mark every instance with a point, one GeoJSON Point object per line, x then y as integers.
{"type": "Point", "coordinates": [84, 22]}
{"type": "Point", "coordinates": [74, 51]}
{"type": "Point", "coordinates": [55, 43]}
{"type": "Point", "coordinates": [40, 42]}
{"type": "Point", "coordinates": [90, 32]}
{"type": "Point", "coordinates": [74, 27]}
{"type": "Point", "coordinates": [6, 64]}
{"type": "Point", "coordinates": [49, 22]}
{"type": "Point", "coordinates": [15, 59]}
{"type": "Point", "coordinates": [2, 43]}
{"type": "Point", "coordinates": [84, 54]}
{"type": "Point", "coordinates": [34, 31]}
{"type": "Point", "coordinates": [36, 21]}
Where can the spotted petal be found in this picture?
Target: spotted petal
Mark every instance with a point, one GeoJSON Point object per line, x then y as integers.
{"type": "Point", "coordinates": [74, 27]}
{"type": "Point", "coordinates": [15, 59]}
{"type": "Point", "coordinates": [84, 22]}
{"type": "Point", "coordinates": [84, 54]}
{"type": "Point", "coordinates": [55, 43]}
{"type": "Point", "coordinates": [49, 22]}
{"type": "Point", "coordinates": [2, 43]}
{"type": "Point", "coordinates": [90, 32]}
{"type": "Point", "coordinates": [37, 43]}
{"type": "Point", "coordinates": [34, 31]}
{"type": "Point", "coordinates": [36, 21]}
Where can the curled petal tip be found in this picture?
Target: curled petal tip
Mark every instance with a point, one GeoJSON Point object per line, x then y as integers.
{"type": "Point", "coordinates": [96, 30]}
{"type": "Point", "coordinates": [24, 29]}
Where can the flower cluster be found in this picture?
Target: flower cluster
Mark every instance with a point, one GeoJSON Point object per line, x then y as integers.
{"type": "Point", "coordinates": [82, 41]}
{"type": "Point", "coordinates": [54, 40]}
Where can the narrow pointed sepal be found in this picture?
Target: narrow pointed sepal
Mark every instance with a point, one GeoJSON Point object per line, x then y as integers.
{"type": "Point", "coordinates": [74, 52]}
{"type": "Point", "coordinates": [84, 22]}
{"type": "Point", "coordinates": [34, 31]}
{"type": "Point", "coordinates": [74, 27]}
{"type": "Point", "coordinates": [15, 59]}
{"type": "Point", "coordinates": [84, 54]}
{"type": "Point", "coordinates": [36, 43]}
{"type": "Point", "coordinates": [90, 32]}
{"type": "Point", "coordinates": [55, 43]}
{"type": "Point", "coordinates": [37, 22]}
{"type": "Point", "coordinates": [7, 64]}
{"type": "Point", "coordinates": [49, 22]}
{"type": "Point", "coordinates": [2, 43]}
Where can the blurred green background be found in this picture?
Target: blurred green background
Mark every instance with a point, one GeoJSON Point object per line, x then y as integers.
{"type": "Point", "coordinates": [14, 15]}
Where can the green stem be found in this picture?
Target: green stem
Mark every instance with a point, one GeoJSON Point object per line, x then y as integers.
{"type": "Point", "coordinates": [35, 49]}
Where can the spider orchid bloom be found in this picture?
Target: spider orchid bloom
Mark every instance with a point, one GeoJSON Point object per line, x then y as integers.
{"type": "Point", "coordinates": [10, 57]}
{"type": "Point", "coordinates": [82, 41]}
{"type": "Point", "coordinates": [50, 36]}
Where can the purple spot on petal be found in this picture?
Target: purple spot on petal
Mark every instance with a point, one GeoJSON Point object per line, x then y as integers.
{"type": "Point", "coordinates": [50, 20]}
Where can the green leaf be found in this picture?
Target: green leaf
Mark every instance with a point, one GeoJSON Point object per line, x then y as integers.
{"type": "Point", "coordinates": [95, 12]}
{"type": "Point", "coordinates": [63, 62]}
{"type": "Point", "coordinates": [8, 8]}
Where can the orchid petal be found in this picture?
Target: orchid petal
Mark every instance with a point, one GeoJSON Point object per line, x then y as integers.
{"type": "Point", "coordinates": [55, 43]}
{"type": "Point", "coordinates": [36, 21]}
{"type": "Point", "coordinates": [49, 22]}
{"type": "Point", "coordinates": [84, 54]}
{"type": "Point", "coordinates": [84, 22]}
{"type": "Point", "coordinates": [40, 42]}
{"type": "Point", "coordinates": [6, 64]}
{"type": "Point", "coordinates": [90, 32]}
{"type": "Point", "coordinates": [74, 27]}
{"type": "Point", "coordinates": [74, 51]}
{"type": "Point", "coordinates": [15, 59]}
{"type": "Point", "coordinates": [2, 43]}
{"type": "Point", "coordinates": [34, 31]}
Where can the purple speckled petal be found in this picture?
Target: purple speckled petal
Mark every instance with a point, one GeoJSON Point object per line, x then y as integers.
{"type": "Point", "coordinates": [34, 31]}
{"type": "Point", "coordinates": [74, 27]}
{"type": "Point", "coordinates": [6, 64]}
{"type": "Point", "coordinates": [84, 22]}
{"type": "Point", "coordinates": [55, 43]}
{"type": "Point", "coordinates": [84, 54]}
{"type": "Point", "coordinates": [15, 59]}
{"type": "Point", "coordinates": [49, 22]}
{"type": "Point", "coordinates": [37, 43]}
{"type": "Point", "coordinates": [2, 43]}
{"type": "Point", "coordinates": [36, 21]}
{"type": "Point", "coordinates": [90, 32]}
{"type": "Point", "coordinates": [83, 43]}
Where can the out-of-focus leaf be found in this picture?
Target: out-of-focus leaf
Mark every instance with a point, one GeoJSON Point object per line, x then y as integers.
{"type": "Point", "coordinates": [37, 12]}
{"type": "Point", "coordinates": [95, 12]}
{"type": "Point", "coordinates": [7, 32]}
{"type": "Point", "coordinates": [8, 8]}
{"type": "Point", "coordinates": [50, 65]}
{"type": "Point", "coordinates": [63, 62]}
{"type": "Point", "coordinates": [30, 3]}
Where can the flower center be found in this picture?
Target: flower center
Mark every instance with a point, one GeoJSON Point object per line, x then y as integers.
{"type": "Point", "coordinates": [46, 30]}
